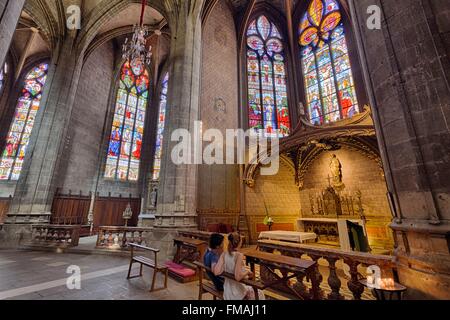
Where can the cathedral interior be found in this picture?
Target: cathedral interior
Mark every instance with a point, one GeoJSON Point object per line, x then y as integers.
{"type": "Point", "coordinates": [352, 97]}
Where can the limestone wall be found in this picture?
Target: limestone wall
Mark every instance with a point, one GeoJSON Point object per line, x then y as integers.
{"type": "Point", "coordinates": [280, 195]}
{"type": "Point", "coordinates": [84, 137]}
{"type": "Point", "coordinates": [218, 185]}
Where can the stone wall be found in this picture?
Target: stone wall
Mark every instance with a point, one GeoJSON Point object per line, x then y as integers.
{"type": "Point", "coordinates": [279, 193]}
{"type": "Point", "coordinates": [359, 174]}
{"type": "Point", "coordinates": [218, 185]}
{"type": "Point", "coordinates": [85, 134]}
{"type": "Point", "coordinates": [408, 67]}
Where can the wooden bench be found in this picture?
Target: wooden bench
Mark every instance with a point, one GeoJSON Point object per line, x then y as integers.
{"type": "Point", "coordinates": [189, 249]}
{"type": "Point", "coordinates": [147, 262]}
{"type": "Point", "coordinates": [208, 286]}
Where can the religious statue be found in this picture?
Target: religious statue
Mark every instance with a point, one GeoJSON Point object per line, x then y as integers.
{"type": "Point", "coordinates": [154, 197]}
{"type": "Point", "coordinates": [336, 173]}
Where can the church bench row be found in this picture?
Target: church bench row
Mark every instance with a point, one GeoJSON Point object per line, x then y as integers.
{"type": "Point", "coordinates": [208, 287]}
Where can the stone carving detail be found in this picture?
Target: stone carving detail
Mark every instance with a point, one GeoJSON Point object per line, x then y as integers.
{"type": "Point", "coordinates": [154, 198]}
{"type": "Point", "coordinates": [220, 105]}
{"type": "Point", "coordinates": [336, 173]}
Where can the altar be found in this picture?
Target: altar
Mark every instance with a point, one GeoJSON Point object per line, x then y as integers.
{"type": "Point", "coordinates": [336, 216]}
{"type": "Point", "coordinates": [288, 236]}
{"type": "Point", "coordinates": [330, 231]}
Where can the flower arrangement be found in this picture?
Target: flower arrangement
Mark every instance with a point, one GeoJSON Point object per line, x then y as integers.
{"type": "Point", "coordinates": [268, 221]}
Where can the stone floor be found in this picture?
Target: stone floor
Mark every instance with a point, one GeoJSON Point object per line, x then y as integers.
{"type": "Point", "coordinates": [41, 275]}
{"type": "Point", "coordinates": [35, 275]}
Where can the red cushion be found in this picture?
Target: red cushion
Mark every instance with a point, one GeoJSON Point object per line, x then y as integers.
{"type": "Point", "coordinates": [180, 270]}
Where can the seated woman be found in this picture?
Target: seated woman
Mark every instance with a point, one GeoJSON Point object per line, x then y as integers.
{"type": "Point", "coordinates": [232, 261]}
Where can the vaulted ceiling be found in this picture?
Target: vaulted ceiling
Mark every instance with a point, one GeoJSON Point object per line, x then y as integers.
{"type": "Point", "coordinates": [240, 5]}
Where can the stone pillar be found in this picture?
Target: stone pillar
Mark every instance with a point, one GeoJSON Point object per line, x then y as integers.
{"type": "Point", "coordinates": [176, 205]}
{"type": "Point", "coordinates": [10, 11]}
{"type": "Point", "coordinates": [36, 186]}
{"type": "Point", "coordinates": [406, 69]}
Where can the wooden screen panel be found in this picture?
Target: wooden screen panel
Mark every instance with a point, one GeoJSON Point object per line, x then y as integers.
{"type": "Point", "coordinates": [109, 211]}
{"type": "Point", "coordinates": [70, 210]}
{"type": "Point", "coordinates": [4, 206]}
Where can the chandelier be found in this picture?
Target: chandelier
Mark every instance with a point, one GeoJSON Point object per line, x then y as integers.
{"type": "Point", "coordinates": [135, 51]}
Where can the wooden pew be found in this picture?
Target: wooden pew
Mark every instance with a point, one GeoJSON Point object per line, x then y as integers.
{"type": "Point", "coordinates": [288, 267]}
{"type": "Point", "coordinates": [189, 249]}
{"type": "Point", "coordinates": [208, 286]}
{"type": "Point", "coordinates": [144, 261]}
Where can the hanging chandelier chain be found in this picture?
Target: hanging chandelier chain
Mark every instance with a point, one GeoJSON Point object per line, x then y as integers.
{"type": "Point", "coordinates": [135, 50]}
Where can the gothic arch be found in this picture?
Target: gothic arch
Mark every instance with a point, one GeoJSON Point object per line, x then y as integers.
{"type": "Point", "coordinates": [52, 28]}
{"type": "Point", "coordinates": [109, 124]}
{"type": "Point", "coordinates": [103, 13]}
{"type": "Point", "coordinates": [20, 121]}
{"type": "Point", "coordinates": [255, 10]}
{"type": "Point", "coordinates": [112, 34]}
{"type": "Point", "coordinates": [356, 69]}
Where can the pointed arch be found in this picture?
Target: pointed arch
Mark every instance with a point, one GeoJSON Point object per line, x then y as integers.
{"type": "Point", "coordinates": [125, 143]}
{"type": "Point", "coordinates": [326, 67]}
{"type": "Point", "coordinates": [19, 134]}
{"type": "Point", "coordinates": [267, 89]}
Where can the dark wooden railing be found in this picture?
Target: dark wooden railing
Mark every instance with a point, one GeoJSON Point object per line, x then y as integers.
{"type": "Point", "coordinates": [119, 238]}
{"type": "Point", "coordinates": [55, 235]}
{"type": "Point", "coordinates": [352, 259]}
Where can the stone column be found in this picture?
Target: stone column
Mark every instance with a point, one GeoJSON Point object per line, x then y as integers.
{"type": "Point", "coordinates": [177, 191]}
{"type": "Point", "coordinates": [36, 187]}
{"type": "Point", "coordinates": [10, 11]}
{"type": "Point", "coordinates": [406, 70]}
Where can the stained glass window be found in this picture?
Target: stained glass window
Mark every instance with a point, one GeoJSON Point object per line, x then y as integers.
{"type": "Point", "coordinates": [330, 89]}
{"type": "Point", "coordinates": [125, 144]}
{"type": "Point", "coordinates": [20, 131]}
{"type": "Point", "coordinates": [3, 72]}
{"type": "Point", "coordinates": [267, 88]}
{"type": "Point", "coordinates": [161, 123]}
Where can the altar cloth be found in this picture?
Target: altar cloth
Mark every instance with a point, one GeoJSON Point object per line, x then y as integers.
{"type": "Point", "coordinates": [290, 236]}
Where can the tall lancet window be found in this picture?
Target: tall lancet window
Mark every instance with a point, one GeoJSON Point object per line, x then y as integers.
{"type": "Point", "coordinates": [22, 125]}
{"type": "Point", "coordinates": [267, 90]}
{"type": "Point", "coordinates": [328, 79]}
{"type": "Point", "coordinates": [124, 153]}
{"type": "Point", "coordinates": [3, 72]}
{"type": "Point", "coordinates": [161, 124]}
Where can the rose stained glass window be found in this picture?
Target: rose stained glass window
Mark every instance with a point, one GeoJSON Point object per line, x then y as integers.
{"type": "Point", "coordinates": [125, 143]}
{"type": "Point", "coordinates": [330, 88]}
{"type": "Point", "coordinates": [268, 111]}
{"type": "Point", "coordinates": [18, 137]}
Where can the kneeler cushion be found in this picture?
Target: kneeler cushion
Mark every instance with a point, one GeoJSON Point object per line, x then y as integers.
{"type": "Point", "coordinates": [180, 270]}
